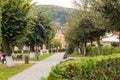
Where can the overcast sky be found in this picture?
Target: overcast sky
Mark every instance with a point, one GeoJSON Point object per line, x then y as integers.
{"type": "Point", "coordinates": [64, 3]}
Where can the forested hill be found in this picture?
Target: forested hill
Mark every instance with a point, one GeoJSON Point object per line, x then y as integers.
{"type": "Point", "coordinates": [58, 14]}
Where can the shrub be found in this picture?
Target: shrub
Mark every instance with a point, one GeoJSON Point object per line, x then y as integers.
{"type": "Point", "coordinates": [62, 50]}
{"type": "Point", "coordinates": [19, 51]}
{"type": "Point", "coordinates": [92, 68]}
{"type": "Point", "coordinates": [26, 51]}
{"type": "Point", "coordinates": [106, 50]}
{"type": "Point", "coordinates": [70, 49]}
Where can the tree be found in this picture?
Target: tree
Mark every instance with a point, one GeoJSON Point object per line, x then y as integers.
{"type": "Point", "coordinates": [87, 25]}
{"type": "Point", "coordinates": [110, 9]}
{"type": "Point", "coordinates": [41, 32]}
{"type": "Point", "coordinates": [56, 43]}
{"type": "Point", "coordinates": [0, 21]}
{"type": "Point", "coordinates": [14, 24]}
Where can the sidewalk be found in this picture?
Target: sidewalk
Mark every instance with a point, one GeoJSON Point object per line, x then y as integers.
{"type": "Point", "coordinates": [40, 69]}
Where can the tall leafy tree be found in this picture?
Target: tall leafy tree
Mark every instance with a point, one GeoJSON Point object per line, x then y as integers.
{"type": "Point", "coordinates": [14, 24]}
{"type": "Point", "coordinates": [87, 25]}
{"type": "Point", "coordinates": [110, 9]}
{"type": "Point", "coordinates": [56, 43]}
{"type": "Point", "coordinates": [41, 32]}
{"type": "Point", "coordinates": [0, 21]}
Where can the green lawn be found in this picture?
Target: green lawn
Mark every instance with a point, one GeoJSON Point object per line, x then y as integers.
{"type": "Point", "coordinates": [41, 57]}
{"type": "Point", "coordinates": [75, 54]}
{"type": "Point", "coordinates": [6, 72]}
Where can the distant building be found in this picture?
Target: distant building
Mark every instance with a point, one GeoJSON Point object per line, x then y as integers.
{"type": "Point", "coordinates": [60, 31]}
{"type": "Point", "coordinates": [111, 39]}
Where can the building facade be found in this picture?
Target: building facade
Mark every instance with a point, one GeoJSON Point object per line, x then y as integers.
{"type": "Point", "coordinates": [60, 34]}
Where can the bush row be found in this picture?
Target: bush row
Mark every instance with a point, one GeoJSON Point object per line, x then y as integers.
{"type": "Point", "coordinates": [106, 50]}
{"type": "Point", "coordinates": [19, 51]}
{"type": "Point", "coordinates": [27, 51]}
{"type": "Point", "coordinates": [60, 50]}
{"type": "Point", "coordinates": [92, 68]}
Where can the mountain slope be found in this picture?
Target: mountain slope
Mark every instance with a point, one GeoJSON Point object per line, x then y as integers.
{"type": "Point", "coordinates": [58, 14]}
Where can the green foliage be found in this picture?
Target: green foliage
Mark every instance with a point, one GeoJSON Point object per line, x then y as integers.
{"type": "Point", "coordinates": [45, 56]}
{"type": "Point", "coordinates": [6, 73]}
{"type": "Point", "coordinates": [15, 20]}
{"type": "Point", "coordinates": [62, 50]}
{"type": "Point", "coordinates": [87, 25]}
{"type": "Point", "coordinates": [42, 31]}
{"type": "Point", "coordinates": [19, 51]}
{"type": "Point", "coordinates": [70, 49]}
{"type": "Point", "coordinates": [105, 50]}
{"type": "Point", "coordinates": [76, 54]}
{"type": "Point", "coordinates": [93, 68]}
{"type": "Point", "coordinates": [71, 36]}
{"type": "Point", "coordinates": [111, 11]}
{"type": "Point", "coordinates": [0, 21]}
{"type": "Point", "coordinates": [43, 78]}
{"type": "Point", "coordinates": [56, 43]}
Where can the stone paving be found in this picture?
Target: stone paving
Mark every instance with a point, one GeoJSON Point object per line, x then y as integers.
{"type": "Point", "coordinates": [40, 69]}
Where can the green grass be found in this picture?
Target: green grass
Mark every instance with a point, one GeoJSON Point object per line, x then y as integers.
{"type": "Point", "coordinates": [6, 72]}
{"type": "Point", "coordinates": [41, 57]}
{"type": "Point", "coordinates": [75, 54]}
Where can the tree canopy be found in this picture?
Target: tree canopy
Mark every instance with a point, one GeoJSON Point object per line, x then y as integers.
{"type": "Point", "coordinates": [111, 11]}
{"type": "Point", "coordinates": [56, 43]}
{"type": "Point", "coordinates": [42, 31]}
{"type": "Point", "coordinates": [0, 21]}
{"type": "Point", "coordinates": [14, 21]}
{"type": "Point", "coordinates": [86, 26]}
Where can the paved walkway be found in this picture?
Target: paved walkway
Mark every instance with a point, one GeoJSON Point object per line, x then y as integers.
{"type": "Point", "coordinates": [40, 69]}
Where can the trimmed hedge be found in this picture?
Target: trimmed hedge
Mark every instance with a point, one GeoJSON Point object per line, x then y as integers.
{"type": "Point", "coordinates": [106, 50]}
{"type": "Point", "coordinates": [92, 68]}
{"type": "Point", "coordinates": [19, 51]}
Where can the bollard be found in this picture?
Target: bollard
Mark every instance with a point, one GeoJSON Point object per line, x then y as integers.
{"type": "Point", "coordinates": [26, 59]}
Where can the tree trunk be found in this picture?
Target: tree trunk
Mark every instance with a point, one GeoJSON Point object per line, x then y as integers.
{"type": "Point", "coordinates": [32, 51]}
{"type": "Point", "coordinates": [41, 50]}
{"type": "Point", "coordinates": [37, 47]}
{"type": "Point", "coordinates": [98, 43]}
{"type": "Point", "coordinates": [37, 52]}
{"type": "Point", "coordinates": [7, 52]}
{"type": "Point", "coordinates": [84, 45]}
{"type": "Point", "coordinates": [91, 43]}
{"type": "Point", "coordinates": [79, 50]}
